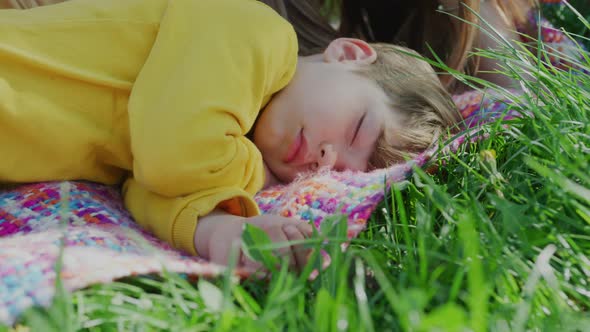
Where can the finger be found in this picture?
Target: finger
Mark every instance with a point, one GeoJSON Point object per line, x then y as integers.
{"type": "Point", "coordinates": [306, 249]}
{"type": "Point", "coordinates": [249, 264]}
{"type": "Point", "coordinates": [306, 229]}
{"type": "Point", "coordinates": [278, 236]}
{"type": "Point", "coordinates": [258, 274]}
{"type": "Point", "coordinates": [299, 252]}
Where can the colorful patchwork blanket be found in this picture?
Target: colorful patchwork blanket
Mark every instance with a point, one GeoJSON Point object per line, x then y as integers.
{"type": "Point", "coordinates": [86, 225]}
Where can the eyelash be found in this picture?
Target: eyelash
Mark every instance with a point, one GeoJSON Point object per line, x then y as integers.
{"type": "Point", "coordinates": [358, 128]}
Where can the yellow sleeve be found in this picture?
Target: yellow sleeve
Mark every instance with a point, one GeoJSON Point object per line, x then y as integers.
{"type": "Point", "coordinates": [213, 66]}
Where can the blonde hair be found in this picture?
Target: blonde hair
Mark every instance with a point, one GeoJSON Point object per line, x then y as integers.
{"type": "Point", "coordinates": [414, 92]}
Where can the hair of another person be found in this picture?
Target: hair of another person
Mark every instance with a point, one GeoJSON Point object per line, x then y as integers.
{"type": "Point", "coordinates": [313, 29]}
{"type": "Point", "coordinates": [425, 107]}
{"type": "Point", "coordinates": [425, 26]}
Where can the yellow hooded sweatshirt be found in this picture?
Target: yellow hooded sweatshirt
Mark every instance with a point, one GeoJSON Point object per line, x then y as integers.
{"type": "Point", "coordinates": [157, 93]}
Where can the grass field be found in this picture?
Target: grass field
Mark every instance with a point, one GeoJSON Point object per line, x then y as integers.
{"type": "Point", "coordinates": [497, 239]}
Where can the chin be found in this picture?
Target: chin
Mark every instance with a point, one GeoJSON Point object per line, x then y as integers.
{"type": "Point", "coordinates": [285, 176]}
{"type": "Point", "coordinates": [286, 179]}
{"type": "Point", "coordinates": [278, 171]}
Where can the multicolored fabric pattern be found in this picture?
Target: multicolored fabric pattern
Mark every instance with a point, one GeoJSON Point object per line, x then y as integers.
{"type": "Point", "coordinates": [101, 243]}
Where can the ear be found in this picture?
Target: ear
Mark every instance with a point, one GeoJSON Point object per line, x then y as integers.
{"type": "Point", "coordinates": [350, 50]}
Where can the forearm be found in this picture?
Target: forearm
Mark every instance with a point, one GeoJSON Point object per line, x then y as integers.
{"type": "Point", "coordinates": [209, 224]}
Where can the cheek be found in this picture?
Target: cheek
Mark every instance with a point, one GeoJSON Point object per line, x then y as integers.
{"type": "Point", "coordinates": [269, 145]}
{"type": "Point", "coordinates": [265, 129]}
{"type": "Point", "coordinates": [273, 120]}
{"type": "Point", "coordinates": [354, 163]}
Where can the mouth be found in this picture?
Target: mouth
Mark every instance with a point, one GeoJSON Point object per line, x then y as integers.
{"type": "Point", "coordinates": [297, 150]}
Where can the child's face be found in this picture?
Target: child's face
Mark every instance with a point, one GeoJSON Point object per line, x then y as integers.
{"type": "Point", "coordinates": [327, 117]}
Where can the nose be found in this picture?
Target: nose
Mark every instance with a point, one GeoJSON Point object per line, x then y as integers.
{"type": "Point", "coordinates": [327, 156]}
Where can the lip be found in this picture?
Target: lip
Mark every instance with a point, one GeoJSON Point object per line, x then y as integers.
{"type": "Point", "coordinates": [297, 150]}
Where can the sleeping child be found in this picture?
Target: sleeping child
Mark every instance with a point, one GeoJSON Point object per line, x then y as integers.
{"type": "Point", "coordinates": [194, 106]}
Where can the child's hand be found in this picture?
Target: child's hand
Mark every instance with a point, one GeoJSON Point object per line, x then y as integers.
{"type": "Point", "coordinates": [219, 233]}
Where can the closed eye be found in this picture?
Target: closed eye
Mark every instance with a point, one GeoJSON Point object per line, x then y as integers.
{"type": "Point", "coordinates": [358, 127]}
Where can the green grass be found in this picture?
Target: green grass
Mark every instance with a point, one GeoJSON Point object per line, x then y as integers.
{"type": "Point", "coordinates": [490, 242]}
